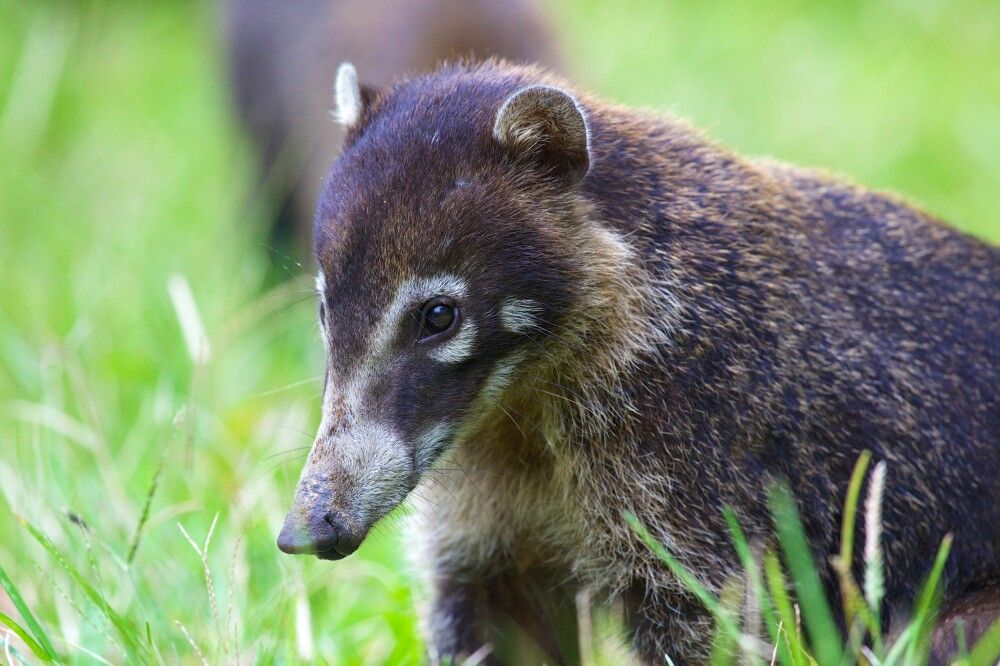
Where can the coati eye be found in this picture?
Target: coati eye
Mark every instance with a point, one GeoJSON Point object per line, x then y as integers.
{"type": "Point", "coordinates": [437, 316]}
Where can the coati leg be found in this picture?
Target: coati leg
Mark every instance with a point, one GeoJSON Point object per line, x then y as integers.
{"type": "Point", "coordinates": [521, 617]}
{"type": "Point", "coordinates": [455, 628]}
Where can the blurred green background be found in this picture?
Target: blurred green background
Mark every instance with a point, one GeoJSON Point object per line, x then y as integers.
{"type": "Point", "coordinates": [124, 190]}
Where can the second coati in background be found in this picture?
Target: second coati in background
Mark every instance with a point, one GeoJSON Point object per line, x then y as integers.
{"type": "Point", "coordinates": [547, 311]}
{"type": "Point", "coordinates": [283, 55]}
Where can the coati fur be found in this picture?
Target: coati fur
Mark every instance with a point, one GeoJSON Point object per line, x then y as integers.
{"type": "Point", "coordinates": [283, 55]}
{"type": "Point", "coordinates": [544, 311]}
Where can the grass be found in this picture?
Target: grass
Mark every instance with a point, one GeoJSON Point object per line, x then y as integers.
{"type": "Point", "coordinates": [157, 382]}
{"type": "Point", "coordinates": [803, 628]}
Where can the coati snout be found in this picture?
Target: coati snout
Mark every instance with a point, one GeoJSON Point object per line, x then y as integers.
{"type": "Point", "coordinates": [436, 279]}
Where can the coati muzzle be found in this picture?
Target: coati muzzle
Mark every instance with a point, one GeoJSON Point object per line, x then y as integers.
{"type": "Point", "coordinates": [349, 483]}
{"type": "Point", "coordinates": [328, 535]}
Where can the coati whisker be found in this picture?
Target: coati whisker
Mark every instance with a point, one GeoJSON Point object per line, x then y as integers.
{"type": "Point", "coordinates": [286, 452]}
{"type": "Point", "coordinates": [516, 425]}
{"type": "Point", "coordinates": [300, 432]}
{"type": "Point", "coordinates": [270, 470]}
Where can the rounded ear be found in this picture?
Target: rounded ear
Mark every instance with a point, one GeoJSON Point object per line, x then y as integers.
{"type": "Point", "coordinates": [350, 100]}
{"type": "Point", "coordinates": [545, 125]}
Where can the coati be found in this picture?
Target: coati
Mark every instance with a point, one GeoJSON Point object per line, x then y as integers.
{"type": "Point", "coordinates": [283, 55]}
{"type": "Point", "coordinates": [542, 311]}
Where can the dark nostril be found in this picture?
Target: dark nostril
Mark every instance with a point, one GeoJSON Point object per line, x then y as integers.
{"type": "Point", "coordinates": [335, 521]}
{"type": "Point", "coordinates": [344, 542]}
{"type": "Point", "coordinates": [327, 535]}
{"type": "Point", "coordinates": [306, 535]}
{"type": "Point", "coordinates": [338, 527]}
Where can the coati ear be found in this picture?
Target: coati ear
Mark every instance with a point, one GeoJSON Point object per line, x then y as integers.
{"type": "Point", "coordinates": [545, 125]}
{"type": "Point", "coordinates": [349, 98]}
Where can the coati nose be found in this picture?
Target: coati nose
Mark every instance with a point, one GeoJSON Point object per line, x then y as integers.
{"type": "Point", "coordinates": [328, 535]}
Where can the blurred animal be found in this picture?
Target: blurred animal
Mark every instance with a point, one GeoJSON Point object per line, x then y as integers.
{"type": "Point", "coordinates": [283, 55]}
{"type": "Point", "coordinates": [543, 311]}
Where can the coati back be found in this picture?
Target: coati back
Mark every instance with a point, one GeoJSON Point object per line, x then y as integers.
{"type": "Point", "coordinates": [546, 311]}
{"type": "Point", "coordinates": [284, 53]}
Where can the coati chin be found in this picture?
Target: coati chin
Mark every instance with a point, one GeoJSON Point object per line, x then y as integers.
{"type": "Point", "coordinates": [544, 311]}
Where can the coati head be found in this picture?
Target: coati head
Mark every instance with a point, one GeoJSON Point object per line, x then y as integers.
{"type": "Point", "coordinates": [449, 240]}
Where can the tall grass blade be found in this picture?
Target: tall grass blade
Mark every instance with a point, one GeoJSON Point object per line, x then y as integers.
{"type": "Point", "coordinates": [23, 634]}
{"type": "Point", "coordinates": [874, 583]}
{"type": "Point", "coordinates": [987, 650]}
{"type": "Point", "coordinates": [898, 648]}
{"type": "Point", "coordinates": [126, 630]}
{"type": "Point", "coordinates": [962, 639]}
{"type": "Point", "coordinates": [787, 632]}
{"type": "Point", "coordinates": [857, 615]}
{"type": "Point", "coordinates": [822, 630]}
{"type": "Point", "coordinates": [925, 611]}
{"type": "Point", "coordinates": [144, 516]}
{"type": "Point", "coordinates": [725, 647]}
{"type": "Point", "coordinates": [851, 509]}
{"type": "Point", "coordinates": [724, 620]}
{"type": "Point", "coordinates": [41, 638]}
{"type": "Point", "coordinates": [756, 582]}
{"type": "Point", "coordinates": [13, 653]}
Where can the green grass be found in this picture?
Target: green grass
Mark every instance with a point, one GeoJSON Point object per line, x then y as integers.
{"type": "Point", "coordinates": [898, 94]}
{"type": "Point", "coordinates": [122, 173]}
{"type": "Point", "coordinates": [804, 630]}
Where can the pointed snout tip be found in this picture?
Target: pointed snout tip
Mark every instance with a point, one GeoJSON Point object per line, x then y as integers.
{"type": "Point", "coordinates": [327, 537]}
{"type": "Point", "coordinates": [293, 538]}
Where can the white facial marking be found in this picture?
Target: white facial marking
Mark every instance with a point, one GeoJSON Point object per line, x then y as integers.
{"type": "Point", "coordinates": [500, 377]}
{"type": "Point", "coordinates": [347, 96]}
{"type": "Point", "coordinates": [430, 444]}
{"type": "Point", "coordinates": [459, 347]}
{"type": "Point", "coordinates": [329, 407]}
{"type": "Point", "coordinates": [373, 454]}
{"type": "Point", "coordinates": [321, 292]}
{"type": "Point", "coordinates": [411, 294]}
{"type": "Point", "coordinates": [519, 314]}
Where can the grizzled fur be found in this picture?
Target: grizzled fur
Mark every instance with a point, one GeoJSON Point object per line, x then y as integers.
{"type": "Point", "coordinates": [701, 325]}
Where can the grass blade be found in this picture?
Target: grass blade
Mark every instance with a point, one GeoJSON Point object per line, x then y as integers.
{"type": "Point", "coordinates": [823, 633]}
{"type": "Point", "coordinates": [753, 573]}
{"type": "Point", "coordinates": [124, 628]}
{"type": "Point", "coordinates": [23, 634]}
{"type": "Point", "coordinates": [874, 581]}
{"type": "Point", "coordinates": [783, 605]}
{"type": "Point", "coordinates": [144, 516]}
{"type": "Point", "coordinates": [858, 616]}
{"type": "Point", "coordinates": [927, 604]}
{"type": "Point", "coordinates": [896, 651]}
{"type": "Point", "coordinates": [706, 598]}
{"type": "Point", "coordinates": [41, 638]}
{"type": "Point", "coordinates": [987, 650]}
{"type": "Point", "coordinates": [851, 510]}
{"type": "Point", "coordinates": [725, 647]}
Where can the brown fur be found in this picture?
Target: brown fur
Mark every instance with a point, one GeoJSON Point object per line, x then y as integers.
{"type": "Point", "coordinates": [712, 324]}
{"type": "Point", "coordinates": [974, 613]}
